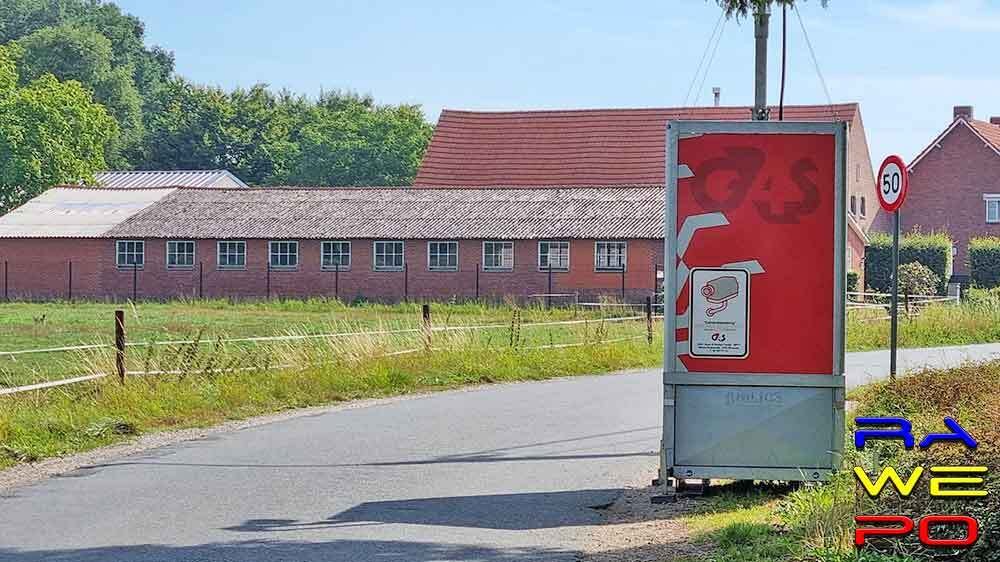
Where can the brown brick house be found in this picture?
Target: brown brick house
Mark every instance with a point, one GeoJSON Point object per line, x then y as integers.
{"type": "Point", "coordinates": [376, 243]}
{"type": "Point", "coordinates": [955, 185]}
{"type": "Point", "coordinates": [619, 147]}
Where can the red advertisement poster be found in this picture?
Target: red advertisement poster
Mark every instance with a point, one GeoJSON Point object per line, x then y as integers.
{"type": "Point", "coordinates": [756, 231]}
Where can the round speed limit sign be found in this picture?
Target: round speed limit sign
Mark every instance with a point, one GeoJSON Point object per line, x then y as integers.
{"type": "Point", "coordinates": [891, 183]}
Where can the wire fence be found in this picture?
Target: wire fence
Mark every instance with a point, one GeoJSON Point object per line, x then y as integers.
{"type": "Point", "coordinates": [425, 330]}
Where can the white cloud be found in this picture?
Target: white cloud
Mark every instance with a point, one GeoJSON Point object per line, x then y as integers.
{"type": "Point", "coordinates": [951, 15]}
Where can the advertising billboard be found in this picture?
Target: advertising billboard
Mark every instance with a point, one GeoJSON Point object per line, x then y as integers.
{"type": "Point", "coordinates": [754, 298]}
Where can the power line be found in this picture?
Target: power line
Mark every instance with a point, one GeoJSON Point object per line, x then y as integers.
{"type": "Point", "coordinates": [708, 67]}
{"type": "Point", "coordinates": [708, 46]}
{"type": "Point", "coordinates": [812, 53]}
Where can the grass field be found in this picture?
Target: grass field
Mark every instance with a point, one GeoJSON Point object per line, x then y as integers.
{"type": "Point", "coordinates": [48, 325]}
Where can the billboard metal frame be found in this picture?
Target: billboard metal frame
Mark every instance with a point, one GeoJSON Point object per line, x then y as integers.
{"type": "Point", "coordinates": [675, 375]}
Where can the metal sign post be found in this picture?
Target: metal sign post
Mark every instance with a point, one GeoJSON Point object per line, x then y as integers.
{"type": "Point", "coordinates": [892, 185]}
{"type": "Point", "coordinates": [754, 297]}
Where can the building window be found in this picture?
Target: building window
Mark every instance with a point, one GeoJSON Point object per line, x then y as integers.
{"type": "Point", "coordinates": [553, 255]}
{"type": "Point", "coordinates": [388, 256]}
{"type": "Point", "coordinates": [864, 212]}
{"type": "Point", "coordinates": [854, 204]}
{"type": "Point", "coordinates": [336, 256]}
{"type": "Point", "coordinates": [180, 254]}
{"type": "Point", "coordinates": [993, 210]}
{"type": "Point", "coordinates": [283, 255]}
{"type": "Point", "coordinates": [130, 253]}
{"type": "Point", "coordinates": [610, 256]}
{"type": "Point", "coordinates": [442, 256]}
{"type": "Point", "coordinates": [498, 256]}
{"type": "Point", "coordinates": [232, 255]}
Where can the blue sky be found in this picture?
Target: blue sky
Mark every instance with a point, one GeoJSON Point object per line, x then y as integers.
{"type": "Point", "coordinates": [908, 62]}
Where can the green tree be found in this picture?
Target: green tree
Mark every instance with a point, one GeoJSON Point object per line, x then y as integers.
{"type": "Point", "coordinates": [75, 52]}
{"type": "Point", "coordinates": [357, 143]}
{"type": "Point", "coordinates": [51, 132]}
{"type": "Point", "coordinates": [187, 127]}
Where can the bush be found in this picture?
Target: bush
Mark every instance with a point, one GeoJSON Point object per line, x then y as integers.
{"type": "Point", "coordinates": [984, 261]}
{"type": "Point", "coordinates": [916, 279]}
{"type": "Point", "coordinates": [932, 250]}
{"type": "Point", "coordinates": [852, 281]}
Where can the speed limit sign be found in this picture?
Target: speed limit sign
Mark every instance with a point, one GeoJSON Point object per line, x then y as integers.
{"type": "Point", "coordinates": [892, 183]}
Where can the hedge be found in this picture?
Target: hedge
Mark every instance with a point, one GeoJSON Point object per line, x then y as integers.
{"type": "Point", "coordinates": [984, 261]}
{"type": "Point", "coordinates": [932, 250]}
{"type": "Point", "coordinates": [852, 281]}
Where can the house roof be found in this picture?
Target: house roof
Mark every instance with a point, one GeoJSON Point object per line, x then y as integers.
{"type": "Point", "coordinates": [168, 178]}
{"type": "Point", "coordinates": [323, 213]}
{"type": "Point", "coordinates": [75, 212]}
{"type": "Point", "coordinates": [574, 147]}
{"type": "Point", "coordinates": [987, 132]}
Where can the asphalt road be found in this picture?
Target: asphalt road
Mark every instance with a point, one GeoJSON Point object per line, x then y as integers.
{"type": "Point", "coordinates": [498, 473]}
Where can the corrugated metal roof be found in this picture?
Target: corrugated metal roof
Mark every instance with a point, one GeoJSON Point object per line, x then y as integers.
{"type": "Point", "coordinates": [302, 213]}
{"type": "Point", "coordinates": [168, 178]}
{"type": "Point", "coordinates": [76, 212]}
{"type": "Point", "coordinates": [572, 147]}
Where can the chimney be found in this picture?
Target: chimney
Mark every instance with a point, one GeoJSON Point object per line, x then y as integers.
{"type": "Point", "coordinates": [995, 120]}
{"type": "Point", "coordinates": [962, 111]}
{"type": "Point", "coordinates": [717, 92]}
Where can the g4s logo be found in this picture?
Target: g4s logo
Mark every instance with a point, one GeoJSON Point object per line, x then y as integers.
{"type": "Point", "coordinates": [745, 164]}
{"type": "Point", "coordinates": [718, 337]}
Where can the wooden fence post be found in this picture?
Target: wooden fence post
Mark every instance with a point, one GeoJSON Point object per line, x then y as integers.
{"type": "Point", "coordinates": [649, 320]}
{"type": "Point", "coordinates": [426, 314]}
{"type": "Point", "coordinates": [120, 344]}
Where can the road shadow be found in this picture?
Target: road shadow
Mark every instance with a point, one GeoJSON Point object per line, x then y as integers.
{"type": "Point", "coordinates": [509, 512]}
{"type": "Point", "coordinates": [292, 551]}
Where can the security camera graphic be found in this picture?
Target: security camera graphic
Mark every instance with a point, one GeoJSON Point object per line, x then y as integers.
{"type": "Point", "coordinates": [720, 291]}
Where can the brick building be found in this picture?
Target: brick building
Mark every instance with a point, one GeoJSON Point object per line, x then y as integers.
{"type": "Point", "coordinates": [379, 244]}
{"type": "Point", "coordinates": [618, 147]}
{"type": "Point", "coordinates": [955, 185]}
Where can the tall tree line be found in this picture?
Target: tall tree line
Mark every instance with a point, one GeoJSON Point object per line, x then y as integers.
{"type": "Point", "coordinates": [154, 119]}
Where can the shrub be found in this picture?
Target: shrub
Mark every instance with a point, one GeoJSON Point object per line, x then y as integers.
{"type": "Point", "coordinates": [916, 279]}
{"type": "Point", "coordinates": [852, 281]}
{"type": "Point", "coordinates": [932, 250]}
{"type": "Point", "coordinates": [984, 261]}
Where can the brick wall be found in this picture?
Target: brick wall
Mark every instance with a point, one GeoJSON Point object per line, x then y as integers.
{"type": "Point", "coordinates": [39, 269]}
{"type": "Point", "coordinates": [946, 191]}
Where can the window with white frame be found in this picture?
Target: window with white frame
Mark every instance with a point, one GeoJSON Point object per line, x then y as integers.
{"type": "Point", "coordinates": [283, 254]}
{"type": "Point", "coordinates": [388, 255]}
{"type": "Point", "coordinates": [442, 256]}
{"type": "Point", "coordinates": [232, 255]}
{"type": "Point", "coordinates": [130, 253]}
{"type": "Point", "coordinates": [610, 256]}
{"type": "Point", "coordinates": [336, 256]}
{"type": "Point", "coordinates": [993, 210]}
{"type": "Point", "coordinates": [498, 256]}
{"type": "Point", "coordinates": [180, 254]}
{"type": "Point", "coordinates": [553, 255]}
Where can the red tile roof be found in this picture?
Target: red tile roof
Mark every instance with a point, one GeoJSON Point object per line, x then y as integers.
{"type": "Point", "coordinates": [573, 147]}
{"type": "Point", "coordinates": [988, 131]}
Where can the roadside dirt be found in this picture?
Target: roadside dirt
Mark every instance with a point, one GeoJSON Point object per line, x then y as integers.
{"type": "Point", "coordinates": [636, 530]}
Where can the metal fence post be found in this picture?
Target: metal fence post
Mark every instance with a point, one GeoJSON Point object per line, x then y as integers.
{"type": "Point", "coordinates": [6, 295]}
{"type": "Point", "coordinates": [135, 282]}
{"type": "Point", "coordinates": [477, 281]}
{"type": "Point", "coordinates": [268, 279]}
{"type": "Point", "coordinates": [623, 282]}
{"type": "Point", "coordinates": [548, 295]}
{"type": "Point", "coordinates": [201, 280]}
{"type": "Point", "coordinates": [649, 320]}
{"type": "Point", "coordinates": [406, 281]}
{"type": "Point", "coordinates": [425, 311]}
{"type": "Point", "coordinates": [69, 289]}
{"type": "Point", "coordinates": [120, 345]}
{"type": "Point", "coordinates": [336, 281]}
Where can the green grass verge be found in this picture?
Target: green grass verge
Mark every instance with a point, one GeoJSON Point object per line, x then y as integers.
{"type": "Point", "coordinates": [218, 382]}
